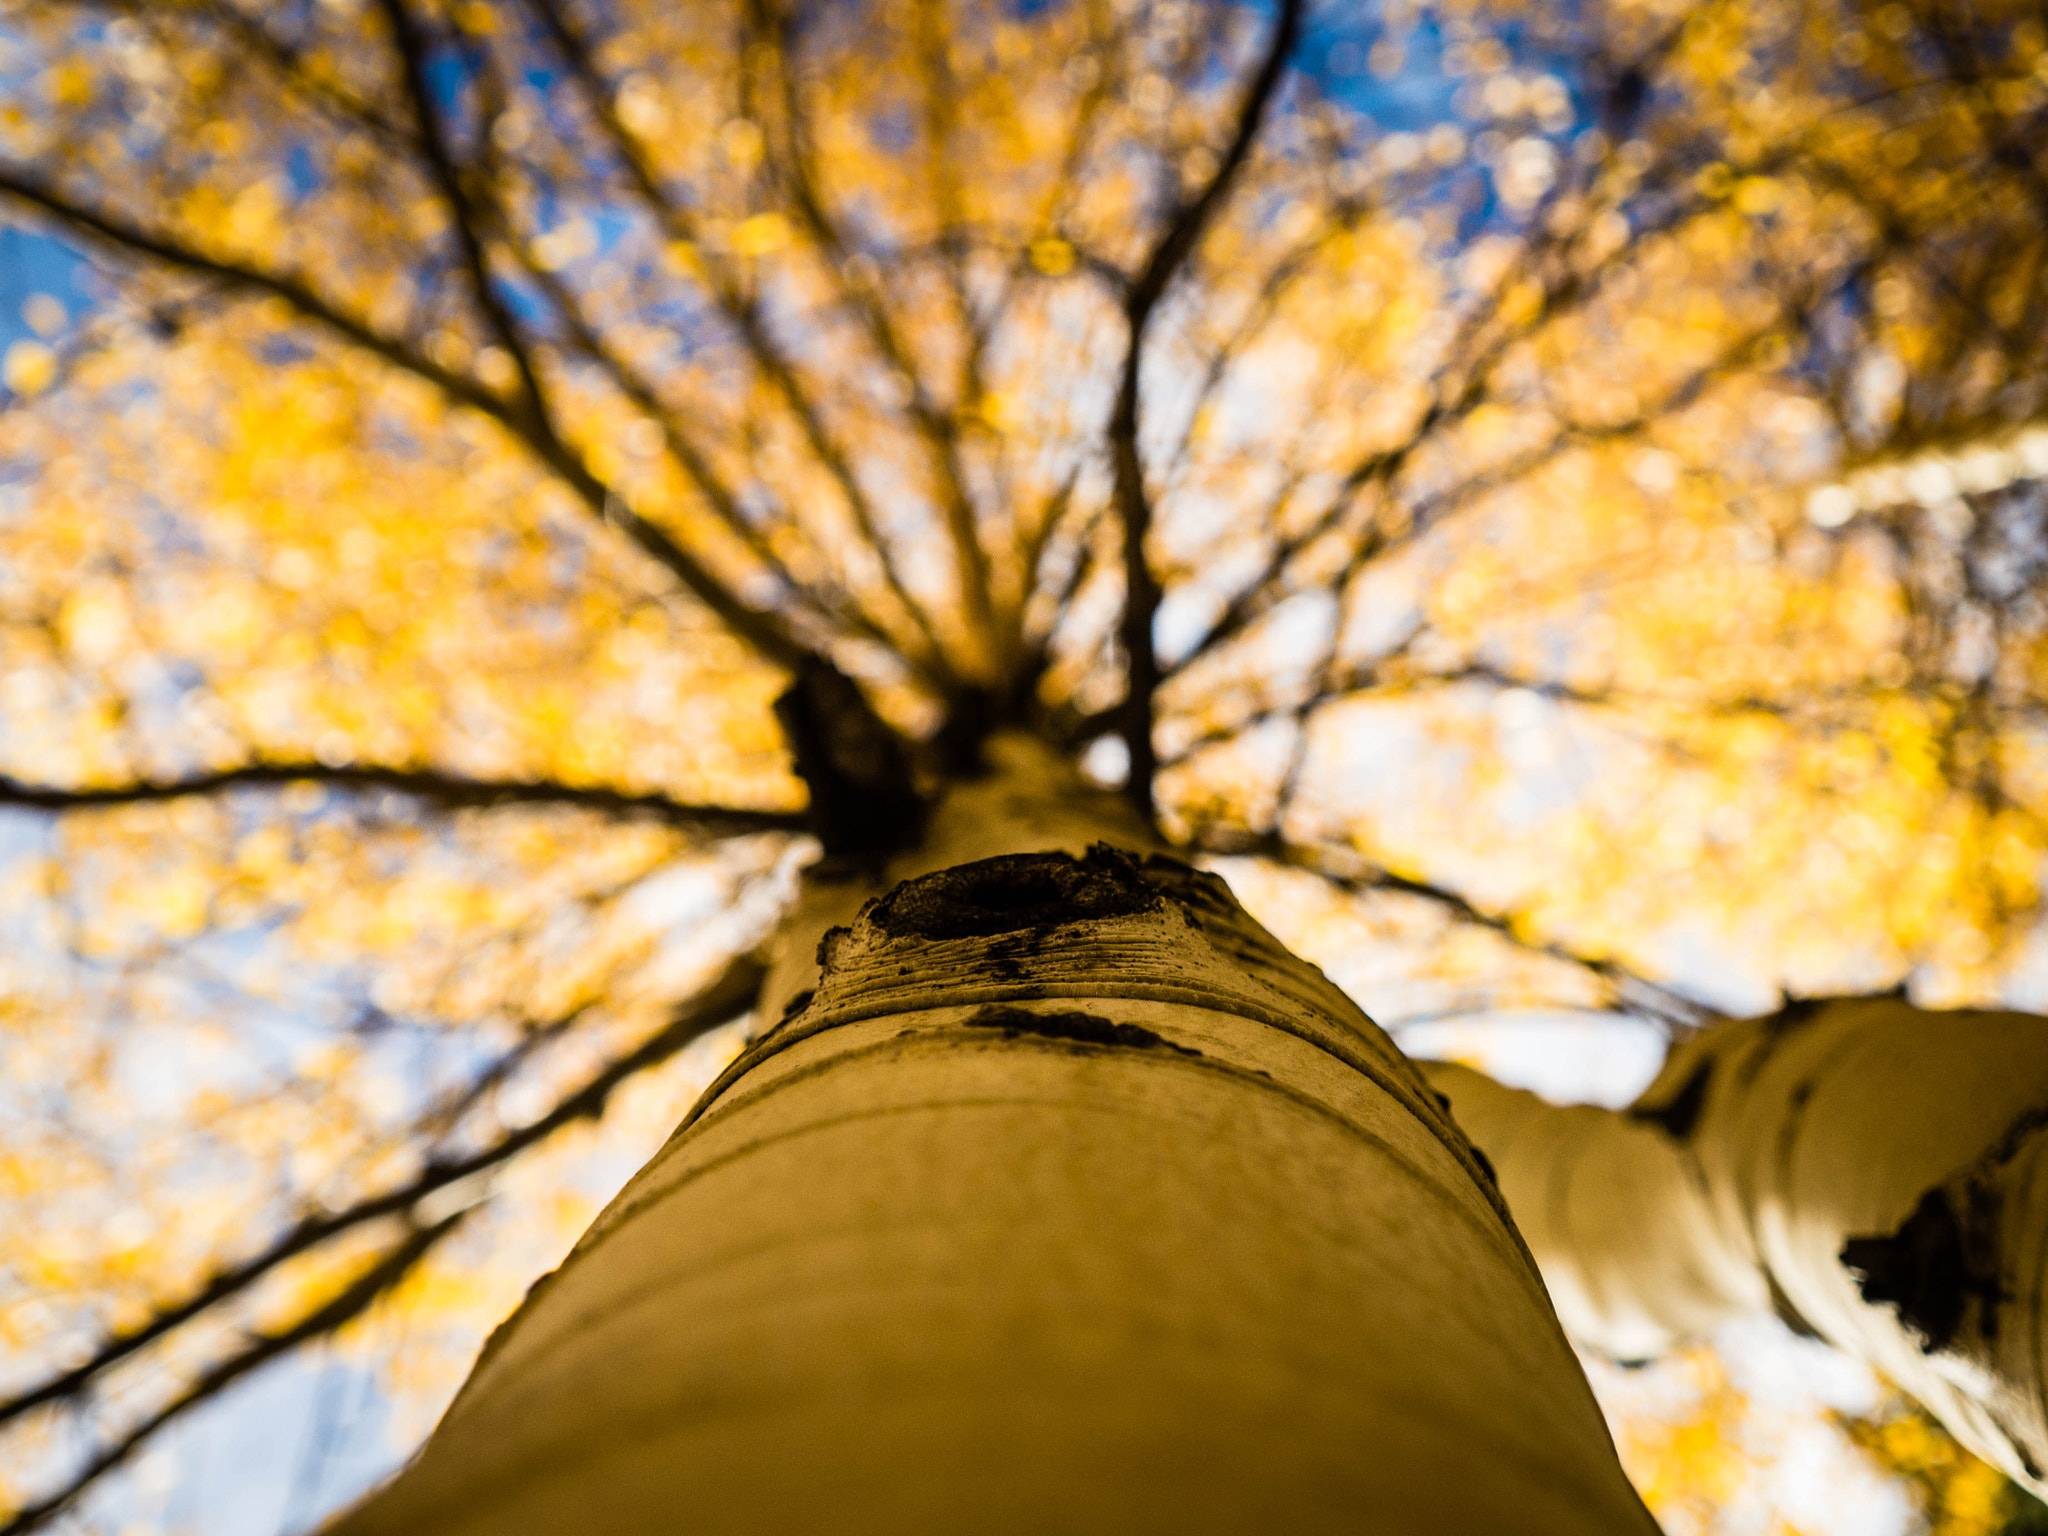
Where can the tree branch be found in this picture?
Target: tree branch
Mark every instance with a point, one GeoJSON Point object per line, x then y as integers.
{"type": "Point", "coordinates": [447, 179]}
{"type": "Point", "coordinates": [537, 421]}
{"type": "Point", "coordinates": [727, 997]}
{"type": "Point", "coordinates": [110, 229]}
{"type": "Point", "coordinates": [1141, 591]}
{"type": "Point", "coordinates": [327, 93]}
{"type": "Point", "coordinates": [762, 631]}
{"type": "Point", "coordinates": [678, 224]}
{"type": "Point", "coordinates": [1633, 992]}
{"type": "Point", "coordinates": [935, 428]}
{"type": "Point", "coordinates": [1260, 596]}
{"type": "Point", "coordinates": [439, 788]}
{"type": "Point", "coordinates": [1459, 384]}
{"type": "Point", "coordinates": [585, 338]}
{"type": "Point", "coordinates": [357, 1298]}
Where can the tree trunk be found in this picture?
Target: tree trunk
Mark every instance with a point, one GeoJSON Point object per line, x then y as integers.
{"type": "Point", "coordinates": [1872, 1171]}
{"type": "Point", "coordinates": [1064, 1199]}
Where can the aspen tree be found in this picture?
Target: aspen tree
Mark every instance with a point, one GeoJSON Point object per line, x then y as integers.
{"type": "Point", "coordinates": [1066, 1199]}
{"type": "Point", "coordinates": [1875, 1173]}
{"type": "Point", "coordinates": [486, 408]}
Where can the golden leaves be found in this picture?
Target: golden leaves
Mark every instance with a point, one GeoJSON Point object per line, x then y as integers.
{"type": "Point", "coordinates": [761, 235]}
{"type": "Point", "coordinates": [1958, 1494]}
{"type": "Point", "coordinates": [1560, 629]}
{"type": "Point", "coordinates": [28, 367]}
{"type": "Point", "coordinates": [1052, 255]}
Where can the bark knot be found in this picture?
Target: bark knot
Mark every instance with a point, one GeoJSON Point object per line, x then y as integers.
{"type": "Point", "coordinates": [1015, 892]}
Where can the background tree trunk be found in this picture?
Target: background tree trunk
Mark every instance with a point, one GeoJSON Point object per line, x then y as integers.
{"type": "Point", "coordinates": [1066, 1198]}
{"type": "Point", "coordinates": [1870, 1170]}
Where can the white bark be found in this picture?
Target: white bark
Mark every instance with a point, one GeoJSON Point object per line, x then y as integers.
{"type": "Point", "coordinates": [1069, 1201]}
{"type": "Point", "coordinates": [1764, 1151]}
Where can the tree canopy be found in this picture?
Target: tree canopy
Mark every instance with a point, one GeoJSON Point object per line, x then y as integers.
{"type": "Point", "coordinates": [1553, 498]}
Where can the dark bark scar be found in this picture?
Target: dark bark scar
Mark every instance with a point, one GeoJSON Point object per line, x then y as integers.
{"type": "Point", "coordinates": [1930, 1267]}
{"type": "Point", "coordinates": [1075, 1026]}
{"type": "Point", "coordinates": [1015, 894]}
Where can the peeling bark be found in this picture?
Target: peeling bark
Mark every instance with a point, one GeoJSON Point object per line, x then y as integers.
{"type": "Point", "coordinates": [1058, 1196]}
{"type": "Point", "coordinates": [1875, 1173]}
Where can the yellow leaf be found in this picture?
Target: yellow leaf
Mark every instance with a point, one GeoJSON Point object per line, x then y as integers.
{"type": "Point", "coordinates": [1052, 256]}
{"type": "Point", "coordinates": [761, 235]}
{"type": "Point", "coordinates": [29, 367]}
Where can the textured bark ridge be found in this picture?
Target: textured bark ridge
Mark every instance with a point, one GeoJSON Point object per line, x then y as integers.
{"type": "Point", "coordinates": [1067, 1199]}
{"type": "Point", "coordinates": [1875, 1173]}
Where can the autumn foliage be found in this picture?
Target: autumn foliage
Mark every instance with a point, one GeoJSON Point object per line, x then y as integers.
{"type": "Point", "coordinates": [1555, 497]}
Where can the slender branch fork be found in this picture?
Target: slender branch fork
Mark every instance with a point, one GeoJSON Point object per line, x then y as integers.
{"type": "Point", "coordinates": [259, 1349]}
{"type": "Point", "coordinates": [437, 788]}
{"type": "Point", "coordinates": [1633, 992]}
{"type": "Point", "coordinates": [1133, 501]}
{"type": "Point", "coordinates": [412, 1203]}
{"type": "Point", "coordinates": [523, 418]}
{"type": "Point", "coordinates": [676, 221]}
